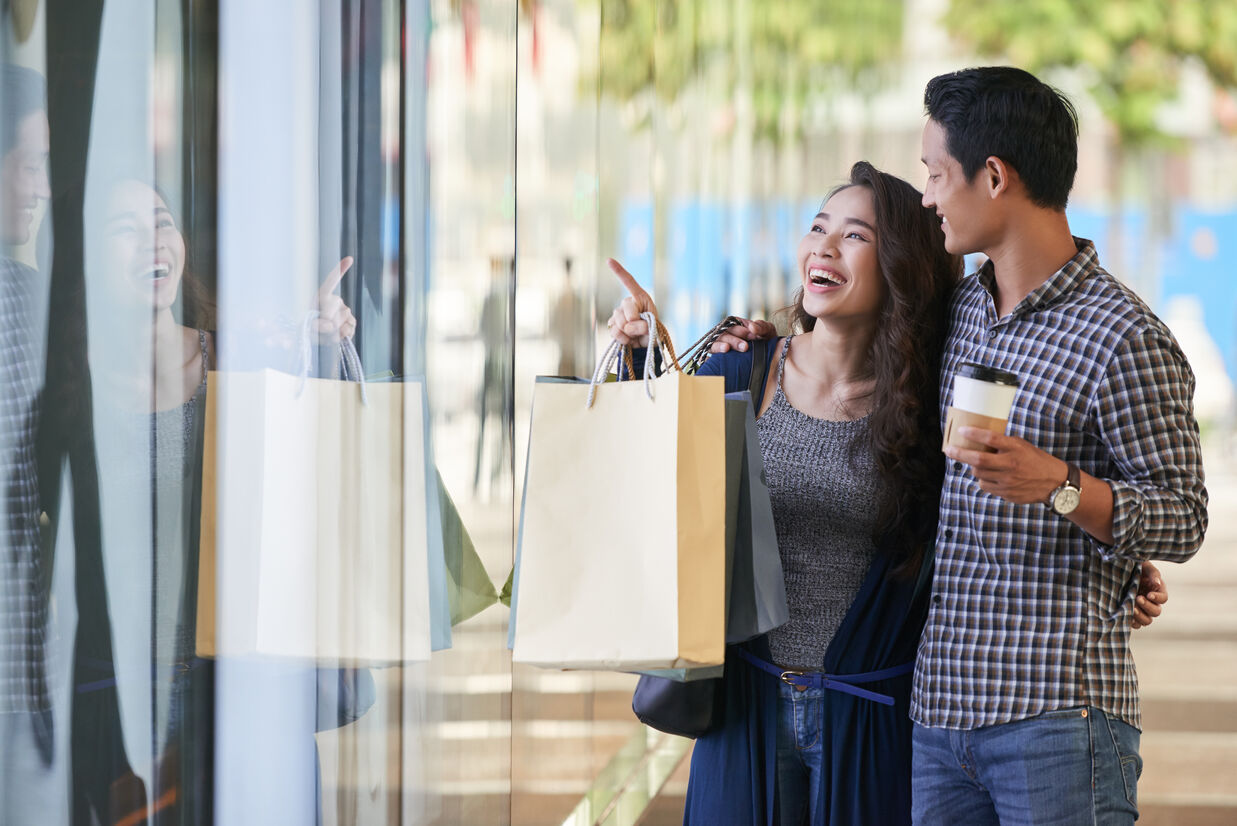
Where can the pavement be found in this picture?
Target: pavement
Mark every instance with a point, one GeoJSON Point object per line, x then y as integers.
{"type": "Point", "coordinates": [1187, 669]}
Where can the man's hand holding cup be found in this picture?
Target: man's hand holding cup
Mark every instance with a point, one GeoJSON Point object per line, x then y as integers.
{"type": "Point", "coordinates": [1005, 466]}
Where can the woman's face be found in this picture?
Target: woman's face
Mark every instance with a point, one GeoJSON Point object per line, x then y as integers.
{"type": "Point", "coordinates": [145, 251]}
{"type": "Point", "coordinates": [837, 260]}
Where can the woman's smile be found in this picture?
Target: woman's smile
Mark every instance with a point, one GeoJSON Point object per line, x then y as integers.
{"type": "Point", "coordinates": [822, 279]}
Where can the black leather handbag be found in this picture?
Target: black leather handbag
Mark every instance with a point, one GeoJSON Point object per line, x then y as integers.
{"type": "Point", "coordinates": [692, 709]}
{"type": "Point", "coordinates": [686, 709]}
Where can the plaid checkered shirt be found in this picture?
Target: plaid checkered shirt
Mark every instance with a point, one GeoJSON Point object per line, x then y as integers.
{"type": "Point", "coordinates": [23, 605]}
{"type": "Point", "coordinates": [1029, 613]}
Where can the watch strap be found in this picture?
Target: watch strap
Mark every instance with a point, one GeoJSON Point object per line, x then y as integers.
{"type": "Point", "coordinates": [1073, 479]}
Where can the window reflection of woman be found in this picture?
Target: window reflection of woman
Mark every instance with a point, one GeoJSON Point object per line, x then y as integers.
{"type": "Point", "coordinates": [151, 344]}
{"type": "Point", "coordinates": [146, 267]}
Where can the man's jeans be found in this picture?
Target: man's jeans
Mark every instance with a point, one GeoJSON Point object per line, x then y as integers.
{"type": "Point", "coordinates": [1072, 766]}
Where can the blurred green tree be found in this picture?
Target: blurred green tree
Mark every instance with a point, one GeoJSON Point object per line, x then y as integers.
{"type": "Point", "coordinates": [780, 54]}
{"type": "Point", "coordinates": [1130, 54]}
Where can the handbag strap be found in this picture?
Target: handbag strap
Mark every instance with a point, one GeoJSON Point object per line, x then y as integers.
{"type": "Point", "coordinates": [760, 372]}
{"type": "Point", "coordinates": [698, 353]}
{"type": "Point", "coordinates": [349, 359]}
{"type": "Point", "coordinates": [350, 365]}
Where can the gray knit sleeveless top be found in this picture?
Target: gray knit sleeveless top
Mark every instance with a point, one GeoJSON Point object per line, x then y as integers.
{"type": "Point", "coordinates": [174, 466]}
{"type": "Point", "coordinates": [824, 490]}
{"type": "Point", "coordinates": [155, 456]}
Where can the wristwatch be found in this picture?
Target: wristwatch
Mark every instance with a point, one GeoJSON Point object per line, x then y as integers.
{"type": "Point", "coordinates": [1064, 499]}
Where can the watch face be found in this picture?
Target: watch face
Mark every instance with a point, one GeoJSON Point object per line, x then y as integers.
{"type": "Point", "coordinates": [1065, 501]}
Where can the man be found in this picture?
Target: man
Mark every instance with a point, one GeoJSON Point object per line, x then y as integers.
{"type": "Point", "coordinates": [25, 715]}
{"type": "Point", "coordinates": [1026, 698]}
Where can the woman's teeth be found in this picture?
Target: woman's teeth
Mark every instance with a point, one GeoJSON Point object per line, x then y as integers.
{"type": "Point", "coordinates": [823, 277]}
{"type": "Point", "coordinates": [159, 271]}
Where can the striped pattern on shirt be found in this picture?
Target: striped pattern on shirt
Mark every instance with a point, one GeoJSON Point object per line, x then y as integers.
{"type": "Point", "coordinates": [1029, 613]}
{"type": "Point", "coordinates": [23, 603]}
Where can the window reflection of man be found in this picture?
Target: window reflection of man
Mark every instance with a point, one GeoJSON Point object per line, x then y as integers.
{"type": "Point", "coordinates": [25, 715]}
{"type": "Point", "coordinates": [23, 176]}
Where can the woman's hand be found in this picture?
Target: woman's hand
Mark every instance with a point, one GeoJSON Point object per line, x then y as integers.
{"type": "Point", "coordinates": [335, 319]}
{"type": "Point", "coordinates": [626, 325]}
{"type": "Point", "coordinates": [737, 337]}
{"type": "Point", "coordinates": [1152, 594]}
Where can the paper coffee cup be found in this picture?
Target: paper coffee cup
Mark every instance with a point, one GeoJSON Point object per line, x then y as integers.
{"type": "Point", "coordinates": [983, 397]}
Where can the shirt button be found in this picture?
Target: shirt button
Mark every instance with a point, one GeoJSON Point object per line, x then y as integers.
{"type": "Point", "coordinates": [949, 533]}
{"type": "Point", "coordinates": [991, 334]}
{"type": "Point", "coordinates": [936, 598]}
{"type": "Point", "coordinates": [957, 466]}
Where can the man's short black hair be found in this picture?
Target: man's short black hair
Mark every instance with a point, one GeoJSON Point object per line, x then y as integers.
{"type": "Point", "coordinates": [1013, 115]}
{"type": "Point", "coordinates": [22, 91]}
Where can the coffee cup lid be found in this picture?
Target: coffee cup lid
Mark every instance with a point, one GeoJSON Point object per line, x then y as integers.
{"type": "Point", "coordinates": [982, 372]}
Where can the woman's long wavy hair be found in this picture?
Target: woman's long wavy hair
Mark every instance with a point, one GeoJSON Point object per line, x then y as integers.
{"type": "Point", "coordinates": [906, 355]}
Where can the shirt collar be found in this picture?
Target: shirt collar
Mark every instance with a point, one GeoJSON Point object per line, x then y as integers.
{"type": "Point", "coordinates": [1060, 283]}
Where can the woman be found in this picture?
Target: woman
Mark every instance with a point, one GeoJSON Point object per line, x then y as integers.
{"type": "Point", "coordinates": [150, 346]}
{"type": "Point", "coordinates": [850, 437]}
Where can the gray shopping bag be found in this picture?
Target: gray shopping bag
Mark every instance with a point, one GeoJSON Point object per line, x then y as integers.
{"type": "Point", "coordinates": [756, 594]}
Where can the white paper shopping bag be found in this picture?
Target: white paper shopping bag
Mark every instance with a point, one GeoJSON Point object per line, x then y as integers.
{"type": "Point", "coordinates": [316, 535]}
{"type": "Point", "coordinates": [624, 577]}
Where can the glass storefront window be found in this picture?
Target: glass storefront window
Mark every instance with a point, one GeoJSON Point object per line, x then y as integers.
{"type": "Point", "coordinates": [250, 573]}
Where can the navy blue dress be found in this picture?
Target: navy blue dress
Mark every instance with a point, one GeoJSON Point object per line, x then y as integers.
{"type": "Point", "coordinates": [867, 765]}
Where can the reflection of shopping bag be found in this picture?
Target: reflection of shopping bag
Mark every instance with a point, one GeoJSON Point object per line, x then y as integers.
{"type": "Point", "coordinates": [320, 539]}
{"type": "Point", "coordinates": [469, 588]}
{"type": "Point", "coordinates": [623, 577]}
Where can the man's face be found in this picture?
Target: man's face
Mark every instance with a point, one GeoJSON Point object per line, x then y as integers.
{"type": "Point", "coordinates": [964, 208]}
{"type": "Point", "coordinates": [23, 179]}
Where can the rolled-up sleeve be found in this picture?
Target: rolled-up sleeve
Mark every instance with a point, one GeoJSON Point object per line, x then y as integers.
{"type": "Point", "coordinates": [1145, 410]}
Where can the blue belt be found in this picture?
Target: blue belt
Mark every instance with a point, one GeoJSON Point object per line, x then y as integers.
{"type": "Point", "coordinates": [836, 682]}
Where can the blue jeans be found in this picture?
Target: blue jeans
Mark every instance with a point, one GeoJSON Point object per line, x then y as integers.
{"type": "Point", "coordinates": [799, 750]}
{"type": "Point", "coordinates": [1071, 766]}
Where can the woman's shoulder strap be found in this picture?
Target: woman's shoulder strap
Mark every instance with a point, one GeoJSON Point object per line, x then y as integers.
{"type": "Point", "coordinates": [760, 368]}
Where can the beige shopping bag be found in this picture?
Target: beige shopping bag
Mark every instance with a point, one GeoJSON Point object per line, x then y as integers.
{"type": "Point", "coordinates": [315, 535]}
{"type": "Point", "coordinates": [622, 550]}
